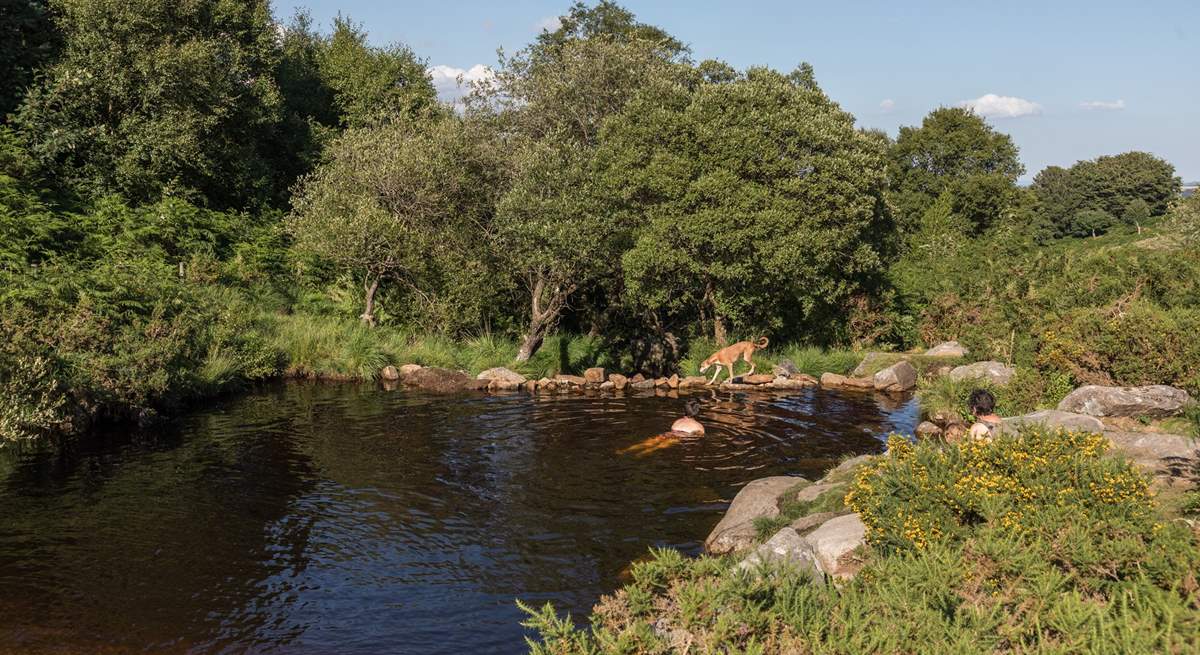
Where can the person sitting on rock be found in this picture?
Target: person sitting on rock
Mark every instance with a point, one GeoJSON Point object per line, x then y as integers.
{"type": "Point", "coordinates": [983, 406]}
{"type": "Point", "coordinates": [688, 424]}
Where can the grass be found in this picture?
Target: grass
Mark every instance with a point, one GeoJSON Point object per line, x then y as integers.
{"type": "Point", "coordinates": [808, 359]}
{"type": "Point", "coordinates": [790, 509]}
{"type": "Point", "coordinates": [1029, 390]}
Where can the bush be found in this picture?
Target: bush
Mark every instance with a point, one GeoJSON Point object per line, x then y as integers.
{"type": "Point", "coordinates": [1029, 390]}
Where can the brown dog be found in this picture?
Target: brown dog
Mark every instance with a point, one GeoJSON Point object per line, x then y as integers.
{"type": "Point", "coordinates": [726, 357]}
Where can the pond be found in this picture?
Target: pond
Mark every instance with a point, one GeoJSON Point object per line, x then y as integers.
{"type": "Point", "coordinates": [337, 518]}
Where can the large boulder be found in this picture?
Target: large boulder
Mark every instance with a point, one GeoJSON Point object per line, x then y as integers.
{"type": "Point", "coordinates": [833, 543]}
{"type": "Point", "coordinates": [409, 369]}
{"type": "Point", "coordinates": [1153, 400]}
{"type": "Point", "coordinates": [439, 380]}
{"type": "Point", "coordinates": [1054, 418]}
{"type": "Point", "coordinates": [947, 349]}
{"type": "Point", "coordinates": [873, 362]}
{"type": "Point", "coordinates": [785, 548]}
{"type": "Point", "coordinates": [994, 372]}
{"type": "Point", "coordinates": [619, 381]}
{"type": "Point", "coordinates": [504, 375]}
{"type": "Point", "coordinates": [784, 368]}
{"type": "Point", "coordinates": [900, 376]}
{"type": "Point", "coordinates": [759, 499]}
{"type": "Point", "coordinates": [594, 374]}
{"type": "Point", "coordinates": [1165, 455]}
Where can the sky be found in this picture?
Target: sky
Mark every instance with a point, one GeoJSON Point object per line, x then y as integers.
{"type": "Point", "coordinates": [1068, 80]}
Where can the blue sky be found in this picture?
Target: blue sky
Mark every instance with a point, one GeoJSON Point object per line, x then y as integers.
{"type": "Point", "coordinates": [1068, 80]}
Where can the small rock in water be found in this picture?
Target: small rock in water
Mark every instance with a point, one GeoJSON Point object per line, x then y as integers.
{"type": "Point", "coordinates": [594, 374]}
{"type": "Point", "coordinates": [758, 378]}
{"type": "Point", "coordinates": [673, 381]}
{"type": "Point", "coordinates": [618, 381]}
{"type": "Point", "coordinates": [390, 373]}
{"type": "Point", "coordinates": [900, 376]}
{"type": "Point", "coordinates": [503, 374]}
{"type": "Point", "coordinates": [607, 385]}
{"type": "Point", "coordinates": [573, 380]}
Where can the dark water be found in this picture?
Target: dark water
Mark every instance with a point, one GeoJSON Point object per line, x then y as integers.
{"type": "Point", "coordinates": [311, 518]}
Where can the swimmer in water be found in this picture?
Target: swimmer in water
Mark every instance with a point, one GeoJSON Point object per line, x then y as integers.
{"type": "Point", "coordinates": [688, 424]}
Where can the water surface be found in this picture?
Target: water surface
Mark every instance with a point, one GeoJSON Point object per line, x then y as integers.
{"type": "Point", "coordinates": [312, 518]}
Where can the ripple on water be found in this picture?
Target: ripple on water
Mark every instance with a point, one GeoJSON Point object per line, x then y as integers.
{"type": "Point", "coordinates": [309, 518]}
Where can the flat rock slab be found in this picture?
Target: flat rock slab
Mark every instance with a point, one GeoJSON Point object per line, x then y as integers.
{"type": "Point", "coordinates": [502, 374]}
{"type": "Point", "coordinates": [758, 378]}
{"type": "Point", "coordinates": [759, 499]}
{"type": "Point", "coordinates": [994, 372]}
{"type": "Point", "coordinates": [1154, 400]}
{"type": "Point", "coordinates": [835, 539]}
{"type": "Point", "coordinates": [440, 380]}
{"type": "Point", "coordinates": [1165, 455]}
{"type": "Point", "coordinates": [835, 381]}
{"type": "Point", "coordinates": [574, 380]}
{"type": "Point", "coordinates": [947, 349]}
{"type": "Point", "coordinates": [1054, 418]}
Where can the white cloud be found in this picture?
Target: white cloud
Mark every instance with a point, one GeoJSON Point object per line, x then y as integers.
{"type": "Point", "coordinates": [445, 80]}
{"type": "Point", "coordinates": [887, 105]}
{"type": "Point", "coordinates": [548, 24]}
{"type": "Point", "coordinates": [1109, 105]}
{"type": "Point", "coordinates": [993, 106]}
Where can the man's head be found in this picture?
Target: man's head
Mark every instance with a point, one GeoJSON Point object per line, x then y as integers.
{"type": "Point", "coordinates": [981, 402]}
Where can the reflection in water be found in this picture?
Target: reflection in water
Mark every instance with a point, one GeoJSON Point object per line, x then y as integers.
{"type": "Point", "coordinates": [316, 518]}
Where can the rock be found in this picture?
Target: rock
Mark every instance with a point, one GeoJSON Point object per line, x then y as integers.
{"type": "Point", "coordinates": [938, 371]}
{"type": "Point", "coordinates": [900, 376]}
{"type": "Point", "coordinates": [927, 429]}
{"type": "Point", "coordinates": [805, 378]}
{"type": "Point", "coordinates": [390, 373]}
{"type": "Point", "coordinates": [594, 374]}
{"type": "Point", "coordinates": [473, 384]}
{"type": "Point", "coordinates": [661, 383]}
{"type": "Point", "coordinates": [954, 432]}
{"type": "Point", "coordinates": [607, 385]}
{"type": "Point", "coordinates": [758, 499]}
{"type": "Point", "coordinates": [531, 386]}
{"type": "Point", "coordinates": [573, 380]}
{"type": "Point", "coordinates": [812, 491]}
{"type": "Point", "coordinates": [693, 381]}
{"type": "Point", "coordinates": [546, 384]}
{"type": "Point", "coordinates": [673, 381]}
{"type": "Point", "coordinates": [872, 363]}
{"type": "Point", "coordinates": [1168, 455]}
{"type": "Point", "coordinates": [834, 541]}
{"type": "Point", "coordinates": [784, 368]}
{"type": "Point", "coordinates": [849, 465]}
{"type": "Point", "coordinates": [737, 386]}
{"type": "Point", "coordinates": [409, 369]}
{"type": "Point", "coordinates": [782, 382]}
{"type": "Point", "coordinates": [833, 380]}
{"type": "Point", "coordinates": [858, 383]}
{"type": "Point", "coordinates": [503, 374]}
{"type": "Point", "coordinates": [439, 380]}
{"type": "Point", "coordinates": [947, 349]}
{"type": "Point", "coordinates": [806, 523]}
{"type": "Point", "coordinates": [757, 378]}
{"type": "Point", "coordinates": [637, 377]}
{"type": "Point", "coordinates": [1054, 418]}
{"type": "Point", "coordinates": [619, 381]}
{"type": "Point", "coordinates": [785, 548]}
{"type": "Point", "coordinates": [993, 372]}
{"type": "Point", "coordinates": [502, 385]}
{"type": "Point", "coordinates": [642, 384]}
{"type": "Point", "coordinates": [1155, 400]}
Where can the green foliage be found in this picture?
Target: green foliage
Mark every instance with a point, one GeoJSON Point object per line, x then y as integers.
{"type": "Point", "coordinates": [760, 218]}
{"type": "Point", "coordinates": [28, 41]}
{"type": "Point", "coordinates": [952, 151]}
{"type": "Point", "coordinates": [790, 509]}
{"type": "Point", "coordinates": [1109, 185]}
{"type": "Point", "coordinates": [1090, 222]}
{"type": "Point", "coordinates": [1024, 555]}
{"type": "Point", "coordinates": [1029, 390]}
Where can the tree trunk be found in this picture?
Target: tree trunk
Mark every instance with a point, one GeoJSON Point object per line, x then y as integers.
{"type": "Point", "coordinates": [719, 333]}
{"type": "Point", "coordinates": [368, 315]}
{"type": "Point", "coordinates": [545, 307]}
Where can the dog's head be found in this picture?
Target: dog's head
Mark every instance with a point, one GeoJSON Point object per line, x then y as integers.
{"type": "Point", "coordinates": [704, 369]}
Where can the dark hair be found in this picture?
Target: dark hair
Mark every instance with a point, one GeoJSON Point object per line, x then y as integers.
{"type": "Point", "coordinates": [981, 402]}
{"type": "Point", "coordinates": [692, 407]}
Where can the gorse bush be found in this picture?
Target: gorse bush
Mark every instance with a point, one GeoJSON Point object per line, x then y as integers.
{"type": "Point", "coordinates": [1037, 543]}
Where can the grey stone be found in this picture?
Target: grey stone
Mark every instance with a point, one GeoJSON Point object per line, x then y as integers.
{"type": "Point", "coordinates": [784, 368]}
{"type": "Point", "coordinates": [1155, 400]}
{"type": "Point", "coordinates": [994, 372]}
{"type": "Point", "coordinates": [806, 523]}
{"type": "Point", "coordinates": [785, 548]}
{"type": "Point", "coordinates": [642, 384]}
{"type": "Point", "coordinates": [849, 465]}
{"type": "Point", "coordinates": [1054, 418]}
{"type": "Point", "coordinates": [438, 379]}
{"type": "Point", "coordinates": [834, 540]}
{"type": "Point", "coordinates": [871, 363]}
{"type": "Point", "coordinates": [947, 349]}
{"type": "Point", "coordinates": [781, 382]}
{"type": "Point", "coordinates": [900, 376]}
{"type": "Point", "coordinates": [1169, 455]}
{"type": "Point", "coordinates": [928, 429]}
{"type": "Point", "coordinates": [758, 499]}
{"type": "Point", "coordinates": [502, 374]}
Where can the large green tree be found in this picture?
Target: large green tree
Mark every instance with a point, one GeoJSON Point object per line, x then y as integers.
{"type": "Point", "coordinates": [28, 40]}
{"type": "Point", "coordinates": [1109, 184]}
{"type": "Point", "coordinates": [394, 202]}
{"type": "Point", "coordinates": [156, 96]}
{"type": "Point", "coordinates": [756, 201]}
{"type": "Point", "coordinates": [953, 150]}
{"type": "Point", "coordinates": [550, 102]}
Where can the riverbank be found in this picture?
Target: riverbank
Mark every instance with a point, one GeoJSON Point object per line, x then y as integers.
{"type": "Point", "coordinates": [1036, 541]}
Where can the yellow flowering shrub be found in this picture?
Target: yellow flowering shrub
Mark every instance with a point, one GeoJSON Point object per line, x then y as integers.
{"type": "Point", "coordinates": [926, 492]}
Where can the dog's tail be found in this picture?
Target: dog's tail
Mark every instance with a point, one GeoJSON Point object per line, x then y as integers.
{"type": "Point", "coordinates": [761, 343]}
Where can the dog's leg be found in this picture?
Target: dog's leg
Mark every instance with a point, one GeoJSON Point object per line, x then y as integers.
{"type": "Point", "coordinates": [715, 374]}
{"type": "Point", "coordinates": [751, 363]}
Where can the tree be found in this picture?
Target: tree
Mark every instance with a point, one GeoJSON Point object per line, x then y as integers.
{"type": "Point", "coordinates": [392, 201]}
{"type": "Point", "coordinates": [1136, 213]}
{"type": "Point", "coordinates": [757, 202]}
{"type": "Point", "coordinates": [153, 97]}
{"type": "Point", "coordinates": [1091, 222]}
{"type": "Point", "coordinates": [952, 149]}
{"type": "Point", "coordinates": [1108, 184]}
{"type": "Point", "coordinates": [551, 101]}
